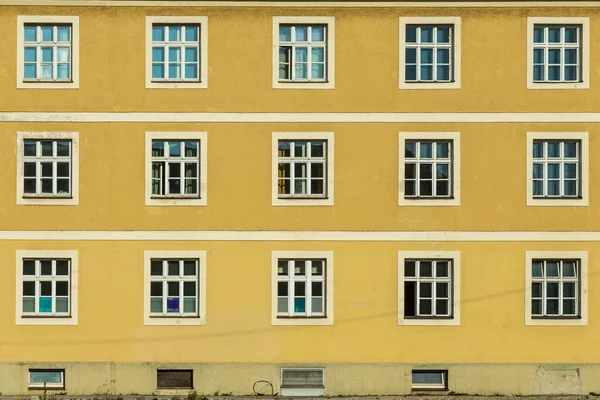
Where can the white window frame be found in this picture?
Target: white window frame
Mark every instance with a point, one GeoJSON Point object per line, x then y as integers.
{"type": "Point", "coordinates": [455, 56]}
{"type": "Point", "coordinates": [72, 200]}
{"type": "Point", "coordinates": [431, 387]}
{"type": "Point", "coordinates": [293, 201]}
{"type": "Point", "coordinates": [583, 201]}
{"type": "Point", "coordinates": [582, 256]}
{"type": "Point", "coordinates": [329, 82]}
{"type": "Point", "coordinates": [291, 321]}
{"type": "Point", "coordinates": [200, 255]}
{"type": "Point", "coordinates": [54, 254]}
{"type": "Point", "coordinates": [301, 391]}
{"type": "Point", "coordinates": [203, 53]}
{"type": "Point", "coordinates": [48, 19]}
{"type": "Point", "coordinates": [584, 48]}
{"type": "Point", "coordinates": [51, 386]}
{"type": "Point", "coordinates": [455, 167]}
{"type": "Point", "coordinates": [203, 175]}
{"type": "Point", "coordinates": [431, 255]}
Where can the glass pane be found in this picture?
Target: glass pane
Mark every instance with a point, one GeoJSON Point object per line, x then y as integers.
{"type": "Point", "coordinates": [317, 305]}
{"type": "Point", "coordinates": [282, 267]}
{"type": "Point", "coordinates": [411, 55]}
{"type": "Point", "coordinates": [191, 54]}
{"type": "Point", "coordinates": [285, 33]}
{"type": "Point", "coordinates": [538, 171]}
{"type": "Point", "coordinates": [301, 33]}
{"type": "Point", "coordinates": [318, 71]}
{"type": "Point", "coordinates": [156, 289]}
{"type": "Point", "coordinates": [45, 377]}
{"type": "Point", "coordinates": [411, 73]}
{"type": "Point", "coordinates": [536, 307]}
{"type": "Point", "coordinates": [443, 73]}
{"type": "Point", "coordinates": [538, 56]}
{"type": "Point", "coordinates": [318, 34]}
{"type": "Point", "coordinates": [172, 304]}
{"type": "Point", "coordinates": [62, 288]}
{"type": "Point", "coordinates": [300, 267]}
{"type": "Point", "coordinates": [29, 169]}
{"type": "Point", "coordinates": [63, 148]}
{"type": "Point", "coordinates": [538, 35]}
{"type": "Point", "coordinates": [158, 71]}
{"type": "Point", "coordinates": [317, 149]}
{"type": "Point", "coordinates": [426, 34]}
{"type": "Point", "coordinates": [64, 34]}
{"type": "Point", "coordinates": [410, 149]}
{"type": "Point", "coordinates": [569, 289]}
{"type": "Point", "coordinates": [443, 34]}
{"type": "Point", "coordinates": [28, 288]}
{"type": "Point", "coordinates": [442, 289]}
{"type": "Point", "coordinates": [30, 54]}
{"type": "Point", "coordinates": [554, 73]}
{"type": "Point", "coordinates": [174, 33]}
{"type": "Point", "coordinates": [47, 54]}
{"type": "Point", "coordinates": [28, 267]}
{"type": "Point", "coordinates": [28, 304]}
{"type": "Point", "coordinates": [426, 188]}
{"type": "Point", "coordinates": [300, 289]}
{"type": "Point", "coordinates": [317, 267]}
{"type": "Point", "coordinates": [409, 268]}
{"type": "Point", "coordinates": [552, 307]}
{"type": "Point", "coordinates": [443, 56]}
{"type": "Point", "coordinates": [156, 267]}
{"type": "Point", "coordinates": [62, 305]}
{"type": "Point", "coordinates": [30, 33]}
{"type": "Point", "coordinates": [569, 307]}
{"type": "Point", "coordinates": [189, 289]}
{"type": "Point", "coordinates": [442, 149]}
{"type": "Point", "coordinates": [46, 267]}
{"type": "Point", "coordinates": [425, 290]}
{"type": "Point", "coordinates": [430, 378]}
{"type": "Point", "coordinates": [191, 71]}
{"type": "Point", "coordinates": [299, 304]}
{"type": "Point", "coordinates": [425, 307]}
{"type": "Point", "coordinates": [174, 54]}
{"type": "Point", "coordinates": [553, 171]}
{"type": "Point", "coordinates": [174, 71]}
{"type": "Point", "coordinates": [571, 35]}
{"type": "Point", "coordinates": [156, 305]}
{"type": "Point", "coordinates": [63, 169]}
{"type": "Point", "coordinates": [189, 268]}
{"type": "Point", "coordinates": [158, 54]}
{"type": "Point", "coordinates": [173, 267]}
{"type": "Point", "coordinates": [442, 171]}
{"type": "Point", "coordinates": [552, 289]}
{"type": "Point", "coordinates": [301, 71]}
{"type": "Point", "coordinates": [425, 269]}
{"type": "Point", "coordinates": [282, 305]}
{"type": "Point", "coordinates": [568, 269]}
{"type": "Point", "coordinates": [536, 269]}
{"type": "Point", "coordinates": [554, 188]}
{"type": "Point", "coordinates": [571, 73]}
{"type": "Point", "coordinates": [317, 289]}
{"type": "Point", "coordinates": [189, 305]}
{"type": "Point", "coordinates": [282, 289]}
{"type": "Point", "coordinates": [426, 56]}
{"type": "Point", "coordinates": [570, 149]}
{"type": "Point", "coordinates": [425, 150]}
{"type": "Point", "coordinates": [538, 73]}
{"type": "Point", "coordinates": [571, 56]}
{"type": "Point", "coordinates": [425, 171]}
{"type": "Point", "coordinates": [411, 34]}
{"type": "Point", "coordinates": [553, 35]}
{"type": "Point", "coordinates": [552, 269]}
{"type": "Point", "coordinates": [441, 307]}
{"type": "Point", "coordinates": [536, 290]}
{"type": "Point", "coordinates": [45, 304]}
{"type": "Point", "coordinates": [191, 33]}
{"type": "Point", "coordinates": [46, 33]}
{"type": "Point", "coordinates": [410, 171]}
{"type": "Point", "coordinates": [158, 33]}
{"type": "Point", "coordinates": [441, 269]}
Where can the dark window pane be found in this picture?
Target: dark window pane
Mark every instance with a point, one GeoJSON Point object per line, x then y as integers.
{"type": "Point", "coordinates": [156, 267]}
{"type": "Point", "coordinates": [425, 289]}
{"type": "Point", "coordinates": [28, 267]}
{"type": "Point", "coordinates": [425, 188]}
{"type": "Point", "coordinates": [410, 305]}
{"type": "Point", "coordinates": [189, 288]}
{"type": "Point", "coordinates": [173, 267]}
{"type": "Point", "coordinates": [173, 288]}
{"type": "Point", "coordinates": [62, 288]}
{"type": "Point", "coordinates": [299, 288]}
{"type": "Point", "coordinates": [28, 288]}
{"type": "Point", "coordinates": [46, 267]}
{"type": "Point", "coordinates": [46, 288]}
{"type": "Point", "coordinates": [425, 307]}
{"type": "Point", "coordinates": [317, 289]}
{"type": "Point", "coordinates": [409, 268]}
{"type": "Point", "coordinates": [282, 288]}
{"type": "Point", "coordinates": [189, 268]}
{"type": "Point", "coordinates": [156, 289]}
{"type": "Point", "coordinates": [62, 267]}
{"type": "Point", "coordinates": [425, 269]}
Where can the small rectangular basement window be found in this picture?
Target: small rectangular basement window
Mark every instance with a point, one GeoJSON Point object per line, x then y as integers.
{"type": "Point", "coordinates": [46, 379]}
{"type": "Point", "coordinates": [174, 379]}
{"type": "Point", "coordinates": [302, 382]}
{"type": "Point", "coordinates": [430, 379]}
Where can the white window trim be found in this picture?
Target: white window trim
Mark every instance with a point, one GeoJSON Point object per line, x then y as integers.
{"type": "Point", "coordinates": [57, 201]}
{"type": "Point", "coordinates": [584, 165]}
{"type": "Point", "coordinates": [173, 321]}
{"type": "Point", "coordinates": [301, 391]}
{"type": "Point", "coordinates": [203, 152]}
{"type": "Point", "coordinates": [328, 320]}
{"type": "Point", "coordinates": [583, 257]}
{"type": "Point", "coordinates": [203, 54]}
{"type": "Point", "coordinates": [51, 386]}
{"type": "Point", "coordinates": [584, 46]}
{"type": "Point", "coordinates": [328, 201]}
{"type": "Point", "coordinates": [330, 58]}
{"type": "Point", "coordinates": [456, 52]}
{"type": "Point", "coordinates": [70, 254]}
{"type": "Point", "coordinates": [48, 19]}
{"type": "Point", "coordinates": [455, 137]}
{"type": "Point", "coordinates": [452, 255]}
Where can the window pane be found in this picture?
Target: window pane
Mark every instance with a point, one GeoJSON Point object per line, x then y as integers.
{"type": "Point", "coordinates": [411, 55]}
{"type": "Point", "coordinates": [282, 289]}
{"type": "Point", "coordinates": [536, 269]}
{"type": "Point", "coordinates": [285, 33]}
{"type": "Point", "coordinates": [158, 33]}
{"type": "Point", "coordinates": [189, 305]}
{"type": "Point", "coordinates": [46, 267]}
{"type": "Point", "coordinates": [538, 56]}
{"type": "Point", "coordinates": [411, 34]}
{"type": "Point", "coordinates": [156, 305]}
{"type": "Point", "coordinates": [552, 289]}
{"type": "Point", "coordinates": [28, 305]}
{"type": "Point", "coordinates": [536, 290]}
{"type": "Point", "coordinates": [301, 33]}
{"type": "Point", "coordinates": [425, 150]}
{"type": "Point", "coordinates": [553, 35]}
{"type": "Point", "coordinates": [156, 267]}
{"type": "Point", "coordinates": [569, 306]}
{"type": "Point", "coordinates": [317, 305]}
{"type": "Point", "coordinates": [538, 35]}
{"type": "Point", "coordinates": [571, 35]}
{"type": "Point", "coordinates": [425, 307]}
{"type": "Point", "coordinates": [569, 289]}
{"type": "Point", "coordinates": [443, 34]}
{"type": "Point", "coordinates": [570, 149]}
{"type": "Point", "coordinates": [318, 34]}
{"type": "Point", "coordinates": [568, 269]}
{"type": "Point", "coordinates": [441, 289]}
{"type": "Point", "coordinates": [30, 33]}
{"type": "Point", "coordinates": [441, 269]}
{"type": "Point", "coordinates": [189, 268]}
{"type": "Point", "coordinates": [426, 56]}
{"type": "Point", "coordinates": [174, 33]}
{"type": "Point", "coordinates": [29, 289]}
{"type": "Point", "coordinates": [442, 149]}
{"type": "Point", "coordinates": [156, 289]}
{"type": "Point", "coordinates": [189, 289]}
{"type": "Point", "coordinates": [46, 33]}
{"type": "Point", "coordinates": [409, 268]}
{"type": "Point", "coordinates": [441, 307]}
{"type": "Point", "coordinates": [173, 267]}
{"type": "Point", "coordinates": [552, 307]}
{"type": "Point", "coordinates": [425, 269]}
{"type": "Point", "coordinates": [426, 35]}
{"type": "Point", "coordinates": [410, 149]}
{"type": "Point", "coordinates": [62, 305]}
{"type": "Point", "coordinates": [191, 33]}
{"type": "Point", "coordinates": [28, 267]}
{"type": "Point", "coordinates": [430, 378]}
{"type": "Point", "coordinates": [62, 288]}
{"type": "Point", "coordinates": [282, 305]}
{"type": "Point", "coordinates": [552, 269]}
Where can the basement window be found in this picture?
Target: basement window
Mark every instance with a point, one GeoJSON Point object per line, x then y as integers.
{"type": "Point", "coordinates": [302, 382]}
{"type": "Point", "coordinates": [174, 379]}
{"type": "Point", "coordinates": [46, 379]}
{"type": "Point", "coordinates": [430, 380]}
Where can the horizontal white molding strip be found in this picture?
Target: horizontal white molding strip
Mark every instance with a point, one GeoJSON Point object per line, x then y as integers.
{"type": "Point", "coordinates": [267, 117]}
{"type": "Point", "coordinates": [300, 4]}
{"type": "Point", "coordinates": [306, 236]}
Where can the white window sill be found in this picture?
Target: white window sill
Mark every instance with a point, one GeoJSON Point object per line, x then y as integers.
{"type": "Point", "coordinates": [176, 201]}
{"type": "Point", "coordinates": [53, 321]}
{"type": "Point", "coordinates": [558, 85]}
{"type": "Point", "coordinates": [290, 201]}
{"type": "Point", "coordinates": [557, 202]}
{"type": "Point", "coordinates": [303, 85]}
{"type": "Point", "coordinates": [176, 85]}
{"type": "Point", "coordinates": [428, 322]}
{"type": "Point", "coordinates": [47, 85]}
{"type": "Point", "coordinates": [429, 85]}
{"type": "Point", "coordinates": [174, 321]}
{"type": "Point", "coordinates": [555, 322]}
{"type": "Point", "coordinates": [48, 201]}
{"type": "Point", "coordinates": [302, 392]}
{"type": "Point", "coordinates": [291, 321]}
{"type": "Point", "coordinates": [429, 202]}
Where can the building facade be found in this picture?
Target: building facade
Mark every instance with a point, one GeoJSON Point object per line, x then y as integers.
{"type": "Point", "coordinates": [302, 198]}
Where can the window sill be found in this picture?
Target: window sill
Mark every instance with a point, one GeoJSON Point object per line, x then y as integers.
{"type": "Point", "coordinates": [439, 321]}
{"type": "Point", "coordinates": [48, 201]}
{"type": "Point", "coordinates": [302, 321]}
{"type": "Point", "coordinates": [176, 201]}
{"type": "Point", "coordinates": [303, 85]}
{"type": "Point", "coordinates": [174, 321]}
{"type": "Point", "coordinates": [46, 388]}
{"type": "Point", "coordinates": [557, 201]}
{"type": "Point", "coordinates": [302, 201]}
{"type": "Point", "coordinates": [562, 321]}
{"type": "Point", "coordinates": [27, 320]}
{"type": "Point", "coordinates": [428, 201]}
{"type": "Point", "coordinates": [558, 85]}
{"type": "Point", "coordinates": [177, 85]}
{"type": "Point", "coordinates": [429, 85]}
{"type": "Point", "coordinates": [47, 85]}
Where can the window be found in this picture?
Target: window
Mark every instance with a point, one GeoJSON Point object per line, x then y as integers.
{"type": "Point", "coordinates": [303, 51]}
{"type": "Point", "coordinates": [175, 288]}
{"type": "Point", "coordinates": [303, 168]}
{"type": "Point", "coordinates": [47, 54]}
{"type": "Point", "coordinates": [558, 53]}
{"type": "Point", "coordinates": [176, 52]}
{"type": "Point", "coordinates": [428, 288]}
{"type": "Point", "coordinates": [302, 288]}
{"type": "Point", "coordinates": [46, 379]}
{"type": "Point", "coordinates": [46, 287]}
{"type": "Point", "coordinates": [556, 288]}
{"type": "Point", "coordinates": [47, 168]}
{"type": "Point", "coordinates": [429, 380]}
{"type": "Point", "coordinates": [557, 168]}
{"type": "Point", "coordinates": [174, 379]}
{"type": "Point", "coordinates": [430, 53]}
{"type": "Point", "coordinates": [429, 168]}
{"type": "Point", "coordinates": [176, 168]}
{"type": "Point", "coordinates": [304, 382]}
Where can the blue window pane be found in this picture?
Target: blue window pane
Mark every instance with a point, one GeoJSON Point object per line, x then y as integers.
{"type": "Point", "coordinates": [318, 54]}
{"type": "Point", "coordinates": [554, 56]}
{"type": "Point", "coordinates": [571, 73]}
{"type": "Point", "coordinates": [538, 35]}
{"type": "Point", "coordinates": [554, 73]}
{"type": "Point", "coordinates": [63, 33]}
{"type": "Point", "coordinates": [570, 170]}
{"type": "Point", "coordinates": [538, 73]}
{"type": "Point", "coordinates": [158, 71]}
{"type": "Point", "coordinates": [571, 35]}
{"type": "Point", "coordinates": [570, 56]}
{"type": "Point", "coordinates": [443, 35]}
{"type": "Point", "coordinates": [301, 54]}
{"type": "Point", "coordinates": [318, 34]}
{"type": "Point", "coordinates": [46, 71]}
{"type": "Point", "coordinates": [30, 33]}
{"type": "Point", "coordinates": [538, 149]}
{"type": "Point", "coordinates": [191, 33]}
{"type": "Point", "coordinates": [570, 149]}
{"type": "Point", "coordinates": [443, 56]}
{"type": "Point", "coordinates": [443, 73]}
{"type": "Point", "coordinates": [191, 54]}
{"type": "Point", "coordinates": [426, 35]}
{"type": "Point", "coordinates": [538, 56]}
{"type": "Point", "coordinates": [45, 305]}
{"type": "Point", "coordinates": [425, 149]}
{"type": "Point", "coordinates": [553, 188]}
{"type": "Point", "coordinates": [285, 33]}
{"type": "Point", "coordinates": [553, 149]}
{"type": "Point", "coordinates": [411, 73]}
{"type": "Point", "coordinates": [30, 54]}
{"type": "Point", "coordinates": [411, 34]}
{"type": "Point", "coordinates": [426, 73]}
{"type": "Point", "coordinates": [46, 54]}
{"type": "Point", "coordinates": [30, 71]}
{"type": "Point", "coordinates": [158, 54]}
{"type": "Point", "coordinates": [301, 71]}
{"type": "Point", "coordinates": [46, 34]}
{"type": "Point", "coordinates": [570, 188]}
{"type": "Point", "coordinates": [63, 71]}
{"type": "Point", "coordinates": [553, 171]}
{"type": "Point", "coordinates": [173, 71]}
{"type": "Point", "coordinates": [553, 35]}
{"type": "Point", "coordinates": [174, 33]}
{"type": "Point", "coordinates": [174, 149]}
{"type": "Point", "coordinates": [426, 56]}
{"type": "Point", "coordinates": [300, 304]}
{"type": "Point", "coordinates": [172, 304]}
{"type": "Point", "coordinates": [411, 56]}
{"type": "Point", "coordinates": [441, 149]}
{"type": "Point", "coordinates": [410, 149]}
{"type": "Point", "coordinates": [158, 33]}
{"type": "Point", "coordinates": [174, 54]}
{"type": "Point", "coordinates": [318, 71]}
{"type": "Point", "coordinates": [191, 71]}
{"type": "Point", "coordinates": [538, 171]}
{"type": "Point", "coordinates": [301, 34]}
{"type": "Point", "coordinates": [538, 188]}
